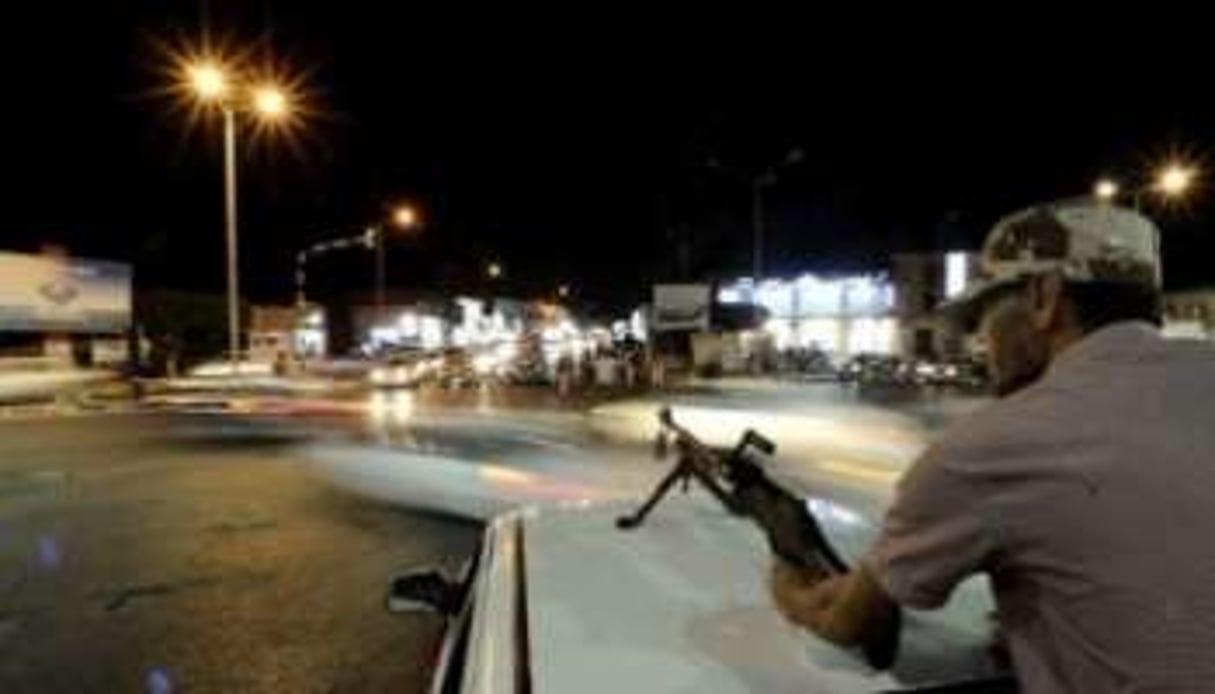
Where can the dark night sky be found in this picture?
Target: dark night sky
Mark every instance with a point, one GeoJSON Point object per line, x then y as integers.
{"type": "Point", "coordinates": [578, 154]}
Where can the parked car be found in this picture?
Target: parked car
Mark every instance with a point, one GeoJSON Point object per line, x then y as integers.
{"type": "Point", "coordinates": [877, 369]}
{"type": "Point", "coordinates": [965, 373]}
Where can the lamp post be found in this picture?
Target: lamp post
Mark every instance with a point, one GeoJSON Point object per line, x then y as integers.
{"type": "Point", "coordinates": [212, 86]}
{"type": "Point", "coordinates": [758, 182]}
{"type": "Point", "coordinates": [231, 237]}
{"type": "Point", "coordinates": [403, 217]}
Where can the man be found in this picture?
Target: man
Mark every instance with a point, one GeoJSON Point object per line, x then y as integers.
{"type": "Point", "coordinates": [1087, 492]}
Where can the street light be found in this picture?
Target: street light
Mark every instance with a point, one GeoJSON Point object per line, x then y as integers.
{"type": "Point", "coordinates": [211, 84]}
{"type": "Point", "coordinates": [208, 81]}
{"type": "Point", "coordinates": [372, 238]}
{"type": "Point", "coordinates": [405, 216]}
{"type": "Point", "coordinates": [1175, 179]}
{"type": "Point", "coordinates": [494, 270]}
{"type": "Point", "coordinates": [1106, 190]}
{"type": "Point", "coordinates": [1172, 182]}
{"type": "Point", "coordinates": [270, 102]}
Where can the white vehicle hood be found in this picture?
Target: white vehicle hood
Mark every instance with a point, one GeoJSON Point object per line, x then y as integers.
{"type": "Point", "coordinates": [681, 604]}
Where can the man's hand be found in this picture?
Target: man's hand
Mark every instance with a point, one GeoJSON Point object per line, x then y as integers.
{"type": "Point", "coordinates": [839, 608]}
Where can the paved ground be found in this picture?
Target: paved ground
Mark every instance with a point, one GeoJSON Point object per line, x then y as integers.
{"type": "Point", "coordinates": [147, 553]}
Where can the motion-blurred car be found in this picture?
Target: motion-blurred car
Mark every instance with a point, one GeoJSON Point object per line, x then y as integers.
{"type": "Point", "coordinates": [225, 367]}
{"type": "Point", "coordinates": [560, 600]}
{"type": "Point", "coordinates": [402, 369]}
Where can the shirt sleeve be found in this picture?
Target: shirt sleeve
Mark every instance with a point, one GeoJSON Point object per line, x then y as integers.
{"type": "Point", "coordinates": [934, 534]}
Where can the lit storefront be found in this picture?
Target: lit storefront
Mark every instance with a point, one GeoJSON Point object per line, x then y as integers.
{"type": "Point", "coordinates": [839, 315]}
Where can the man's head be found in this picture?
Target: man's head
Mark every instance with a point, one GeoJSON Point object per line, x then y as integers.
{"type": "Point", "coordinates": [1053, 274]}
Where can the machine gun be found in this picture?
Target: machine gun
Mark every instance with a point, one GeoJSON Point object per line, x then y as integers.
{"type": "Point", "coordinates": [735, 479]}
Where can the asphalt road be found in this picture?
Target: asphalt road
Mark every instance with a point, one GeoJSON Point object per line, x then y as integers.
{"type": "Point", "coordinates": [164, 554]}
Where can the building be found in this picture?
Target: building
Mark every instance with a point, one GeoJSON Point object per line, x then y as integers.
{"type": "Point", "coordinates": [839, 315]}
{"type": "Point", "coordinates": [877, 313]}
{"type": "Point", "coordinates": [277, 332]}
{"type": "Point", "coordinates": [922, 282]}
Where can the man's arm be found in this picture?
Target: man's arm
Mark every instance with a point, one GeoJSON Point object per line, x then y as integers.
{"type": "Point", "coordinates": [843, 609]}
{"type": "Point", "coordinates": [935, 534]}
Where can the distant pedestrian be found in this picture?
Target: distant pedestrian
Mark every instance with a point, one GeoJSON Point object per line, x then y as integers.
{"type": "Point", "coordinates": [658, 372]}
{"type": "Point", "coordinates": [280, 364]}
{"type": "Point", "coordinates": [630, 370]}
{"type": "Point", "coordinates": [565, 375]}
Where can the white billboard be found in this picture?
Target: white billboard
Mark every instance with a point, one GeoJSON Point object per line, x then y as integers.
{"type": "Point", "coordinates": [53, 294]}
{"type": "Point", "coordinates": [681, 307]}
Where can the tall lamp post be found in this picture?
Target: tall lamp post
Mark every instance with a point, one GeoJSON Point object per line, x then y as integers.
{"type": "Point", "coordinates": [404, 217]}
{"type": "Point", "coordinates": [758, 182]}
{"type": "Point", "coordinates": [212, 85]}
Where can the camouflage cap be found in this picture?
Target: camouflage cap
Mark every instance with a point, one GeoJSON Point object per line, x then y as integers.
{"type": "Point", "coordinates": [1082, 240]}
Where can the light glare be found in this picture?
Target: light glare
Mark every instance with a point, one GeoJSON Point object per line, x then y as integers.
{"type": "Point", "coordinates": [270, 102]}
{"type": "Point", "coordinates": [1175, 179]}
{"type": "Point", "coordinates": [405, 216]}
{"type": "Point", "coordinates": [1105, 189]}
{"type": "Point", "coordinates": [208, 81]}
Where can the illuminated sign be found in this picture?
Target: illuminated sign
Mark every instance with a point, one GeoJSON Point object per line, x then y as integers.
{"type": "Point", "coordinates": [813, 296]}
{"type": "Point", "coordinates": [955, 274]}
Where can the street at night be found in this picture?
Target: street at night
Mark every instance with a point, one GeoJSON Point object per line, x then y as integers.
{"type": "Point", "coordinates": [347, 348]}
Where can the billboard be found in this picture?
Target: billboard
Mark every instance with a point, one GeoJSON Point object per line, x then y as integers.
{"type": "Point", "coordinates": [43, 293]}
{"type": "Point", "coordinates": [680, 307]}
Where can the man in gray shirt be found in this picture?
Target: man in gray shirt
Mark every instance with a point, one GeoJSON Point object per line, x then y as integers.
{"type": "Point", "coordinates": [1087, 492]}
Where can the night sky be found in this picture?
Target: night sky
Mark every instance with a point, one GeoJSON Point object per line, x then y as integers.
{"type": "Point", "coordinates": [575, 150]}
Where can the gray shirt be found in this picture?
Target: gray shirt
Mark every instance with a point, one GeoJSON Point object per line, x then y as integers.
{"type": "Point", "coordinates": [1089, 498]}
